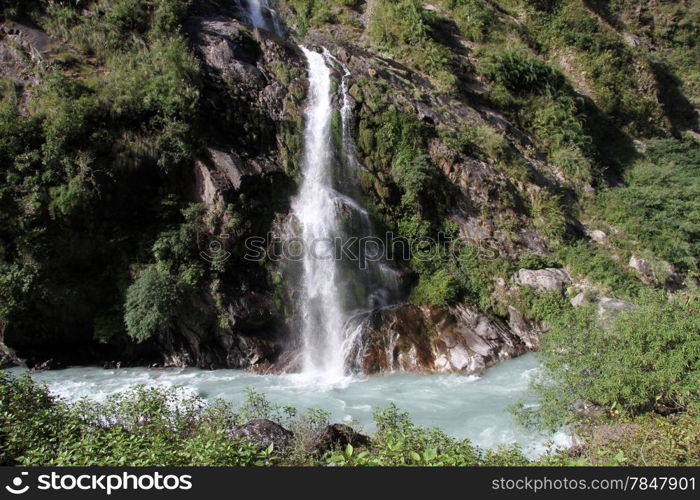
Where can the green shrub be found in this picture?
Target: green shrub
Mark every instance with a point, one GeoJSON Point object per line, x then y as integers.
{"type": "Point", "coordinates": [660, 205]}
{"type": "Point", "coordinates": [548, 217]}
{"type": "Point", "coordinates": [476, 19]}
{"type": "Point", "coordinates": [521, 73]}
{"type": "Point", "coordinates": [600, 268]}
{"type": "Point", "coordinates": [115, 25]}
{"type": "Point", "coordinates": [30, 418]}
{"type": "Point", "coordinates": [398, 24]}
{"type": "Point", "coordinates": [17, 9]}
{"type": "Point", "coordinates": [644, 440]}
{"type": "Point", "coordinates": [646, 358]}
{"type": "Point", "coordinates": [411, 171]}
{"type": "Point", "coordinates": [153, 302]}
{"type": "Point", "coordinates": [529, 260]}
{"type": "Point", "coordinates": [441, 289]}
{"type": "Point", "coordinates": [403, 28]}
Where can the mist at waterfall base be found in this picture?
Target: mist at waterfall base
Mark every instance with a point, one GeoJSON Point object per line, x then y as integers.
{"type": "Point", "coordinates": [464, 407]}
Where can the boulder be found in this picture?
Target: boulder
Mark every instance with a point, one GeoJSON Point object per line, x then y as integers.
{"type": "Point", "coordinates": [663, 273]}
{"type": "Point", "coordinates": [336, 436]}
{"type": "Point", "coordinates": [580, 300]}
{"type": "Point", "coordinates": [609, 308]}
{"type": "Point", "coordinates": [642, 266]}
{"type": "Point", "coordinates": [526, 330]}
{"type": "Point", "coordinates": [460, 339]}
{"type": "Point", "coordinates": [543, 280]}
{"type": "Point", "coordinates": [8, 359]}
{"type": "Point", "coordinates": [265, 433]}
{"type": "Point", "coordinates": [49, 364]}
{"type": "Point", "coordinates": [597, 235]}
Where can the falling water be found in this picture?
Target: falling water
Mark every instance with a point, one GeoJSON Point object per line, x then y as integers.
{"type": "Point", "coordinates": [262, 15]}
{"type": "Point", "coordinates": [316, 211]}
{"type": "Point", "coordinates": [336, 293]}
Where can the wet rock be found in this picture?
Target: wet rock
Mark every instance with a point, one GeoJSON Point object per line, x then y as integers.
{"type": "Point", "coordinates": [265, 433]}
{"type": "Point", "coordinates": [336, 436]}
{"type": "Point", "coordinates": [543, 280]}
{"type": "Point", "coordinates": [393, 339]}
{"type": "Point", "coordinates": [49, 364]}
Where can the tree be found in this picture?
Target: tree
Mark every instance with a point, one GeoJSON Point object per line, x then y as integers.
{"type": "Point", "coordinates": [152, 303]}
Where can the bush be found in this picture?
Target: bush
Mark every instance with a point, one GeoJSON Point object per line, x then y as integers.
{"type": "Point", "coordinates": [646, 358]}
{"type": "Point", "coordinates": [476, 19]}
{"type": "Point", "coordinates": [521, 73]}
{"type": "Point", "coordinates": [115, 25]}
{"type": "Point", "coordinates": [441, 289]}
{"type": "Point", "coordinates": [643, 441]}
{"type": "Point", "coordinates": [411, 171]}
{"type": "Point", "coordinates": [153, 302]}
{"type": "Point", "coordinates": [30, 418]}
{"type": "Point", "coordinates": [398, 24]}
{"type": "Point", "coordinates": [403, 28]}
{"type": "Point", "coordinates": [660, 205]}
{"type": "Point", "coordinates": [166, 427]}
{"type": "Point", "coordinates": [547, 215]}
{"type": "Point", "coordinates": [17, 9]}
{"type": "Point", "coordinates": [600, 268]}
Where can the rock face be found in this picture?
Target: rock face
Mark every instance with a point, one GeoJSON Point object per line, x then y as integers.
{"type": "Point", "coordinates": [265, 433]}
{"type": "Point", "coordinates": [240, 162]}
{"type": "Point", "coordinates": [430, 339]}
{"type": "Point", "coordinates": [642, 266]}
{"type": "Point", "coordinates": [252, 341]}
{"type": "Point", "coordinates": [543, 280]}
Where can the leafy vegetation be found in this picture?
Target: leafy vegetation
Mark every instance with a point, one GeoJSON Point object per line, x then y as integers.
{"type": "Point", "coordinates": [91, 164]}
{"type": "Point", "coordinates": [641, 360]}
{"type": "Point", "coordinates": [97, 235]}
{"type": "Point", "coordinates": [659, 205]}
{"type": "Point", "coordinates": [405, 29]}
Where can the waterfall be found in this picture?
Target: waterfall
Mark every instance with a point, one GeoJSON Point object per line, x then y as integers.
{"type": "Point", "coordinates": [316, 211]}
{"type": "Point", "coordinates": [262, 15]}
{"type": "Point", "coordinates": [336, 294]}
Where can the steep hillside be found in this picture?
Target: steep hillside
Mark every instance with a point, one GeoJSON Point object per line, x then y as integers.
{"type": "Point", "coordinates": [534, 153]}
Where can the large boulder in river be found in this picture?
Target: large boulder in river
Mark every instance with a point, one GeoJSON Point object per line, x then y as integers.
{"type": "Point", "coordinates": [265, 433]}
{"type": "Point", "coordinates": [431, 339]}
{"type": "Point", "coordinates": [543, 280]}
